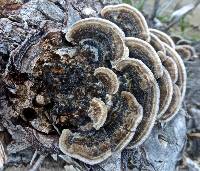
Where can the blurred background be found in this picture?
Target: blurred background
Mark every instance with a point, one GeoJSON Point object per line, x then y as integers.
{"type": "Point", "coordinates": [179, 17]}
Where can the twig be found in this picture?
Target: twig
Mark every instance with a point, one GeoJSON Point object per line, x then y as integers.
{"type": "Point", "coordinates": [155, 8]}
{"type": "Point", "coordinates": [33, 158]}
{"type": "Point", "coordinates": [38, 163]}
{"type": "Point", "coordinates": [176, 18]}
{"type": "Point", "coordinates": [164, 6]}
{"type": "Point", "coordinates": [177, 6]}
{"type": "Point", "coordinates": [56, 128]}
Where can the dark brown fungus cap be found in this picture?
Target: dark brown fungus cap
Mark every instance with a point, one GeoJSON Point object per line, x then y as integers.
{"type": "Point", "coordinates": [174, 105]}
{"type": "Point", "coordinates": [166, 92]}
{"type": "Point", "coordinates": [181, 82]}
{"type": "Point", "coordinates": [95, 146]}
{"type": "Point", "coordinates": [157, 43]}
{"type": "Point", "coordinates": [163, 37]}
{"type": "Point", "coordinates": [162, 56]}
{"type": "Point", "coordinates": [183, 42]}
{"type": "Point", "coordinates": [109, 78]}
{"type": "Point", "coordinates": [103, 36]}
{"type": "Point", "coordinates": [171, 67]}
{"type": "Point", "coordinates": [84, 147]}
{"type": "Point", "coordinates": [129, 19]}
{"type": "Point", "coordinates": [71, 88]}
{"type": "Point", "coordinates": [183, 52]}
{"type": "Point", "coordinates": [176, 38]}
{"type": "Point", "coordinates": [146, 91]}
{"type": "Point", "coordinates": [143, 51]}
{"type": "Point", "coordinates": [192, 50]}
{"type": "Point", "coordinates": [186, 52]}
{"type": "Point", "coordinates": [97, 113]}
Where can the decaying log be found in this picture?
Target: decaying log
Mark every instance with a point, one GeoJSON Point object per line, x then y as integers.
{"type": "Point", "coordinates": [161, 151]}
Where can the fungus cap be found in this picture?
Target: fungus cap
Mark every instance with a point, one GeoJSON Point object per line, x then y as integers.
{"type": "Point", "coordinates": [183, 52]}
{"type": "Point", "coordinates": [143, 51]}
{"type": "Point", "coordinates": [171, 67]}
{"type": "Point", "coordinates": [186, 52]}
{"type": "Point", "coordinates": [97, 113]}
{"type": "Point", "coordinates": [129, 19]}
{"type": "Point", "coordinates": [182, 77]}
{"type": "Point", "coordinates": [109, 78]}
{"type": "Point", "coordinates": [103, 36]}
{"type": "Point", "coordinates": [163, 37]}
{"type": "Point", "coordinates": [174, 106]}
{"type": "Point", "coordinates": [166, 92]}
{"type": "Point", "coordinates": [146, 91]}
{"type": "Point", "coordinates": [94, 147]}
{"type": "Point", "coordinates": [157, 43]}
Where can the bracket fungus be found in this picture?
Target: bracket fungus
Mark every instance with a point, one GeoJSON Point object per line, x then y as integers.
{"type": "Point", "coordinates": [187, 52]}
{"type": "Point", "coordinates": [97, 113]}
{"type": "Point", "coordinates": [129, 19]}
{"type": "Point", "coordinates": [157, 44]}
{"type": "Point", "coordinates": [184, 48]}
{"type": "Point", "coordinates": [100, 86]}
{"type": "Point", "coordinates": [109, 78]}
{"type": "Point", "coordinates": [145, 88]}
{"type": "Point", "coordinates": [163, 37]}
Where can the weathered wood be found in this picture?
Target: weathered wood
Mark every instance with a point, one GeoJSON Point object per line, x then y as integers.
{"type": "Point", "coordinates": [161, 151]}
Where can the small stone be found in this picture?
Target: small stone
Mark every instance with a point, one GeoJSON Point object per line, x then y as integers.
{"type": "Point", "coordinates": [40, 100]}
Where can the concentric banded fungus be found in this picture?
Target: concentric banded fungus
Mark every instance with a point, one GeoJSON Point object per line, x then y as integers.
{"type": "Point", "coordinates": [94, 147]}
{"type": "Point", "coordinates": [129, 19]}
{"type": "Point", "coordinates": [183, 52]}
{"type": "Point", "coordinates": [166, 92]}
{"type": "Point", "coordinates": [109, 78]}
{"type": "Point", "coordinates": [171, 67]}
{"type": "Point", "coordinates": [176, 38]}
{"type": "Point", "coordinates": [162, 56]}
{"type": "Point", "coordinates": [157, 43]}
{"type": "Point", "coordinates": [84, 148]}
{"type": "Point", "coordinates": [145, 88]}
{"type": "Point", "coordinates": [102, 35]}
{"type": "Point", "coordinates": [181, 82]}
{"type": "Point", "coordinates": [97, 113]}
{"type": "Point", "coordinates": [192, 50]}
{"type": "Point", "coordinates": [186, 52]}
{"type": "Point", "coordinates": [163, 37]}
{"type": "Point", "coordinates": [174, 105]}
{"type": "Point", "coordinates": [143, 51]}
{"type": "Point", "coordinates": [183, 42]}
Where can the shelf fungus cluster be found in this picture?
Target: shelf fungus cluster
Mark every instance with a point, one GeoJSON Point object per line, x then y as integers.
{"type": "Point", "coordinates": [101, 86]}
{"type": "Point", "coordinates": [184, 48]}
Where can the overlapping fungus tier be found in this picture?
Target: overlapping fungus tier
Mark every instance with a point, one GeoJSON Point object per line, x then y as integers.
{"type": "Point", "coordinates": [129, 19]}
{"type": "Point", "coordinates": [100, 86]}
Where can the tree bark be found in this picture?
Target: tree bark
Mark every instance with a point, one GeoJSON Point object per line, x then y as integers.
{"type": "Point", "coordinates": [161, 151]}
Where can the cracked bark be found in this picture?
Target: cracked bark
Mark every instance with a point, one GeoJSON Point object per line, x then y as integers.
{"type": "Point", "coordinates": [161, 151]}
